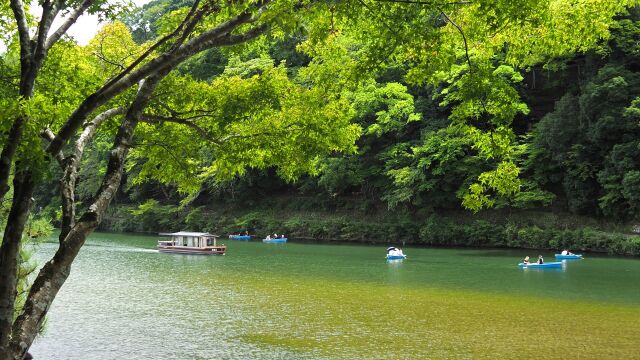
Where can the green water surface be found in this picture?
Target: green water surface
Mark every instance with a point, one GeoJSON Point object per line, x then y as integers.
{"type": "Point", "coordinates": [317, 301]}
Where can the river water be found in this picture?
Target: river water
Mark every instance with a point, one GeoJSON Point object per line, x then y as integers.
{"type": "Point", "coordinates": [124, 300]}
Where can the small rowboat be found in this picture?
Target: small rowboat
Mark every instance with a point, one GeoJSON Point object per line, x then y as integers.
{"type": "Point", "coordinates": [240, 237]}
{"type": "Point", "coordinates": [568, 257]}
{"type": "Point", "coordinates": [396, 257]}
{"type": "Point", "coordinates": [275, 241]}
{"type": "Point", "coordinates": [557, 264]}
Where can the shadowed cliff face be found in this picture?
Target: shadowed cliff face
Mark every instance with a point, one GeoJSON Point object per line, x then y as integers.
{"type": "Point", "coordinates": [542, 88]}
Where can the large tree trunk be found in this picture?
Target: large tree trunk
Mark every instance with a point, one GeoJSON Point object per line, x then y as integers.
{"type": "Point", "coordinates": [55, 272]}
{"type": "Point", "coordinates": [32, 55]}
{"type": "Point", "coordinates": [9, 252]}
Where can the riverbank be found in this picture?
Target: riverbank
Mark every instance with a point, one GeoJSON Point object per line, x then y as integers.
{"type": "Point", "coordinates": [495, 228]}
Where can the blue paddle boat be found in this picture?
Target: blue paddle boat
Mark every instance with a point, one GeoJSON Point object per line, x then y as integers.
{"type": "Point", "coordinates": [240, 237]}
{"type": "Point", "coordinates": [393, 253]}
{"type": "Point", "coordinates": [275, 241]}
{"type": "Point", "coordinates": [549, 265]}
{"type": "Point", "coordinates": [568, 257]}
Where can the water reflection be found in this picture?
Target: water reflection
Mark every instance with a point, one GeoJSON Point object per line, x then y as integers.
{"type": "Point", "coordinates": [394, 261]}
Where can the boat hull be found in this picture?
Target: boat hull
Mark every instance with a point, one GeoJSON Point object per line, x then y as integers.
{"type": "Point", "coordinates": [240, 237]}
{"type": "Point", "coordinates": [212, 250]}
{"type": "Point", "coordinates": [275, 241]}
{"type": "Point", "coordinates": [396, 257]}
{"type": "Point", "coordinates": [549, 265]}
{"type": "Point", "coordinates": [568, 257]}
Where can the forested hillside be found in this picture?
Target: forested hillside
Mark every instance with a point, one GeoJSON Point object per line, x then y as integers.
{"type": "Point", "coordinates": [574, 137]}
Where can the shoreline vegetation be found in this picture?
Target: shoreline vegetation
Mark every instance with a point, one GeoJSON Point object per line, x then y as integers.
{"type": "Point", "coordinates": [498, 228]}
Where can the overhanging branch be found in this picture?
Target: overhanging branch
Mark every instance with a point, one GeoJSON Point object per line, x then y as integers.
{"type": "Point", "coordinates": [152, 48]}
{"type": "Point", "coordinates": [158, 119]}
{"type": "Point", "coordinates": [71, 19]}
{"type": "Point", "coordinates": [218, 36]}
{"type": "Point", "coordinates": [464, 38]}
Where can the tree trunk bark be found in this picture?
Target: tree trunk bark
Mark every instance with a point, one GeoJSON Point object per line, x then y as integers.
{"type": "Point", "coordinates": [9, 252]}
{"type": "Point", "coordinates": [32, 55]}
{"type": "Point", "coordinates": [6, 157]}
{"type": "Point", "coordinates": [55, 272]}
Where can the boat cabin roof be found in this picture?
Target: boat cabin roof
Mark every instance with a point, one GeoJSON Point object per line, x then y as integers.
{"type": "Point", "coordinates": [189, 233]}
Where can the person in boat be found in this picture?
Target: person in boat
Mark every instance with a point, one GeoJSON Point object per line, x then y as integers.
{"type": "Point", "coordinates": [282, 236]}
{"type": "Point", "coordinates": [268, 237]}
{"type": "Point", "coordinates": [526, 260]}
{"type": "Point", "coordinates": [275, 235]}
{"type": "Point", "coordinates": [564, 252]}
{"type": "Point", "coordinates": [246, 233]}
{"type": "Point", "coordinates": [540, 259]}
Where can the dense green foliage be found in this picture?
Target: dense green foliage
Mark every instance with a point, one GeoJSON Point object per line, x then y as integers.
{"type": "Point", "coordinates": [588, 148]}
{"type": "Point", "coordinates": [434, 127]}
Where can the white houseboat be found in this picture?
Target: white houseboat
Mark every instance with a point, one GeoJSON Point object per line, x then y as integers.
{"type": "Point", "coordinates": [185, 242]}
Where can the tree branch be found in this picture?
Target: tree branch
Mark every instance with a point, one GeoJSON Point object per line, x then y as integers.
{"type": "Point", "coordinates": [218, 36]}
{"type": "Point", "coordinates": [151, 49]}
{"type": "Point", "coordinates": [49, 12]}
{"type": "Point", "coordinates": [104, 58]}
{"type": "Point", "coordinates": [48, 135]}
{"type": "Point", "coordinates": [23, 28]}
{"type": "Point", "coordinates": [70, 176]}
{"type": "Point", "coordinates": [191, 21]}
{"type": "Point", "coordinates": [158, 119]}
{"type": "Point", "coordinates": [71, 19]}
{"type": "Point", "coordinates": [255, 135]}
{"type": "Point", "coordinates": [208, 38]}
{"type": "Point", "coordinates": [464, 38]}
